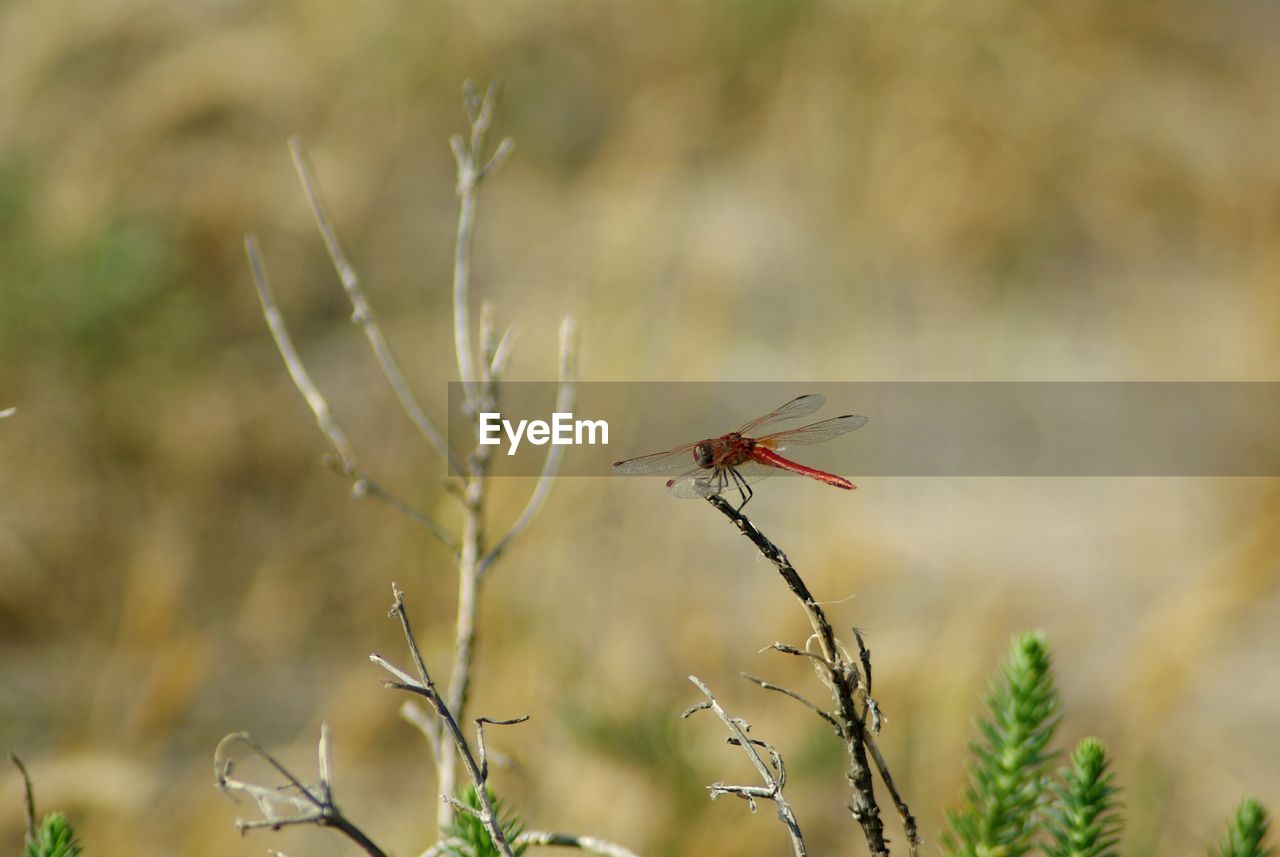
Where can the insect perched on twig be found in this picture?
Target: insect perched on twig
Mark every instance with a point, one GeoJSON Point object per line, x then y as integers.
{"type": "Point", "coordinates": [739, 458]}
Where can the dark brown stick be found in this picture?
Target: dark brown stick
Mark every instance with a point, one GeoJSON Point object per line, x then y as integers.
{"type": "Point", "coordinates": [28, 796]}
{"type": "Point", "coordinates": [844, 679]}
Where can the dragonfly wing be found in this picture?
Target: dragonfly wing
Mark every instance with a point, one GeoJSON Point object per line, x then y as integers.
{"type": "Point", "coordinates": [696, 484]}
{"type": "Point", "coordinates": [681, 456]}
{"type": "Point", "coordinates": [801, 406]}
{"type": "Point", "coordinates": [815, 433]}
{"type": "Point", "coordinates": [702, 483]}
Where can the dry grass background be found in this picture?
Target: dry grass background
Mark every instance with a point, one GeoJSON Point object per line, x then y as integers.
{"type": "Point", "coordinates": [765, 190]}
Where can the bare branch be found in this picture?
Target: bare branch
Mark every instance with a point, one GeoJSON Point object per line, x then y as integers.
{"type": "Point", "coordinates": [800, 653]}
{"type": "Point", "coordinates": [7, 412]}
{"type": "Point", "coordinates": [488, 344]}
{"type": "Point", "coordinates": [425, 687]}
{"type": "Point", "coordinates": [324, 762]}
{"type": "Point", "coordinates": [869, 705]}
{"type": "Point", "coordinates": [797, 697]}
{"type": "Point", "coordinates": [469, 155]}
{"type": "Point", "coordinates": [909, 826]}
{"type": "Point", "coordinates": [344, 461]}
{"type": "Point", "coordinates": [481, 750]}
{"type": "Point", "coordinates": [480, 393]}
{"type": "Point", "coordinates": [500, 155]}
{"type": "Point", "coordinates": [297, 371]}
{"type": "Point", "coordinates": [844, 679]}
{"type": "Point", "coordinates": [864, 655]}
{"type": "Point", "coordinates": [551, 465]}
{"type": "Point", "coordinates": [774, 779]}
{"type": "Point", "coordinates": [502, 352]}
{"type": "Point", "coordinates": [363, 487]}
{"type": "Point", "coordinates": [310, 806]}
{"type": "Point", "coordinates": [362, 312]}
{"type": "Point", "coordinates": [462, 807]}
{"type": "Point", "coordinates": [28, 794]}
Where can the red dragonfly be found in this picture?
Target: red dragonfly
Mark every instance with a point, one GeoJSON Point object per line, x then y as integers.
{"type": "Point", "coordinates": [737, 459]}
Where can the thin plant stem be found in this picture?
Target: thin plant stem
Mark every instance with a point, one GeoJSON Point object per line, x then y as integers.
{"type": "Point", "coordinates": [314, 806]}
{"type": "Point", "coordinates": [424, 686]}
{"type": "Point", "coordinates": [344, 461]}
{"type": "Point", "coordinates": [362, 313]}
{"type": "Point", "coordinates": [843, 677]}
{"type": "Point", "coordinates": [774, 779]}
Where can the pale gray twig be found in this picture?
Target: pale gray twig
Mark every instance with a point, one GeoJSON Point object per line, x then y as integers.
{"type": "Point", "coordinates": [473, 554]}
{"type": "Point", "coordinates": [472, 169]}
{"type": "Point", "coordinates": [425, 687]}
{"type": "Point", "coordinates": [297, 370]}
{"type": "Point", "coordinates": [7, 412]}
{"type": "Point", "coordinates": [344, 462]}
{"type": "Point", "coordinates": [775, 778]}
{"type": "Point", "coordinates": [487, 343]}
{"type": "Point", "coordinates": [310, 804]}
{"type": "Point", "coordinates": [480, 388]}
{"type": "Point", "coordinates": [362, 311]}
{"type": "Point", "coordinates": [502, 351]}
{"type": "Point", "coordinates": [551, 465]}
{"type": "Point", "coordinates": [363, 486]}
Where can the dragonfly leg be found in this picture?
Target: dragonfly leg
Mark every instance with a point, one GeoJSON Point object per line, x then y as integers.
{"type": "Point", "coordinates": [744, 490]}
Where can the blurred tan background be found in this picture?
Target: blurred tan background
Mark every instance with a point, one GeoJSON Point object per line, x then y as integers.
{"type": "Point", "coordinates": [754, 190]}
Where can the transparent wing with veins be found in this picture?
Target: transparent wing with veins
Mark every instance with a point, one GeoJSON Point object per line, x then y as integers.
{"type": "Point", "coordinates": [801, 406]}
{"type": "Point", "coordinates": [659, 462]}
{"type": "Point", "coordinates": [695, 482]}
{"type": "Point", "coordinates": [811, 434]}
{"type": "Point", "coordinates": [701, 482]}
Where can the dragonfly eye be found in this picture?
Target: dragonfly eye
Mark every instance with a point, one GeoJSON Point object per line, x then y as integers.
{"type": "Point", "coordinates": [702, 455]}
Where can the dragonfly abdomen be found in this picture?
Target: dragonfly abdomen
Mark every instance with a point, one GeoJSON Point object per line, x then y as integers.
{"type": "Point", "coordinates": [764, 455]}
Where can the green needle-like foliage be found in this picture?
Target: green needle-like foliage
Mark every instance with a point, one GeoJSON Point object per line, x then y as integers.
{"type": "Point", "coordinates": [1008, 772]}
{"type": "Point", "coordinates": [466, 837]}
{"type": "Point", "coordinates": [54, 838]}
{"type": "Point", "coordinates": [1082, 819]}
{"type": "Point", "coordinates": [1247, 832]}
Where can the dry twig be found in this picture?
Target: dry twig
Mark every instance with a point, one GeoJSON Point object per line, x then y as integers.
{"type": "Point", "coordinates": [847, 683]}
{"type": "Point", "coordinates": [473, 168]}
{"type": "Point", "coordinates": [480, 375]}
{"type": "Point", "coordinates": [362, 311]}
{"type": "Point", "coordinates": [293, 803]}
{"type": "Point", "coordinates": [28, 794]}
{"type": "Point", "coordinates": [475, 559]}
{"type": "Point", "coordinates": [425, 687]}
{"type": "Point", "coordinates": [344, 461]}
{"type": "Point", "coordinates": [774, 774]}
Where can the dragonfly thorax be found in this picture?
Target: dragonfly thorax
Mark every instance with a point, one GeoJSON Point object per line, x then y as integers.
{"type": "Point", "coordinates": [728, 450]}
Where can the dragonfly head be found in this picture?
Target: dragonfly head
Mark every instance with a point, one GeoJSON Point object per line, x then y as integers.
{"type": "Point", "coordinates": [702, 455]}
